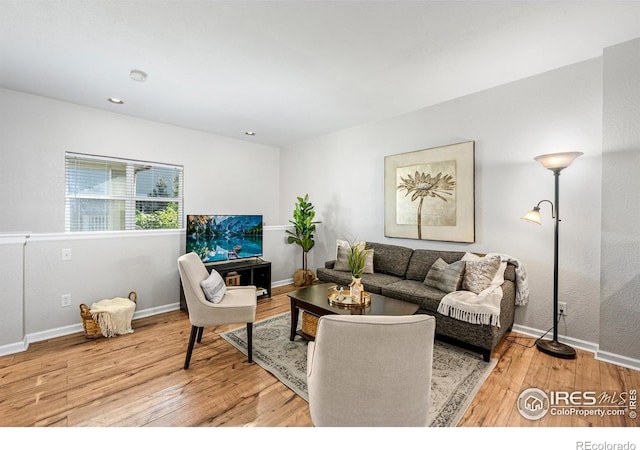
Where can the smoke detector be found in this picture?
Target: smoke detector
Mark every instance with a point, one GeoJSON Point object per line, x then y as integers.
{"type": "Point", "coordinates": [138, 75]}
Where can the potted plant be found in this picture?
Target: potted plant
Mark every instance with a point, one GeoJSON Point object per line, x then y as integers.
{"type": "Point", "coordinates": [356, 258]}
{"type": "Point", "coordinates": [302, 234]}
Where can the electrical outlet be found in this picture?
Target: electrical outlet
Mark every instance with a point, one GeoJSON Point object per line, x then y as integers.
{"type": "Point", "coordinates": [65, 300]}
{"type": "Point", "coordinates": [66, 254]}
{"type": "Point", "coordinates": [562, 308]}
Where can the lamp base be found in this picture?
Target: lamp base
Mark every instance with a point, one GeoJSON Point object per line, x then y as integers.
{"type": "Point", "coordinates": [557, 349]}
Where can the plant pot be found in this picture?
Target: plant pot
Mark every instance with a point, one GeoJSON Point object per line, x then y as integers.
{"type": "Point", "coordinates": [356, 290]}
{"type": "Point", "coordinates": [303, 278]}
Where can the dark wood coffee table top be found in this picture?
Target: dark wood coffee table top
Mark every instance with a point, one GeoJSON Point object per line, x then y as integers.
{"type": "Point", "coordinates": [315, 299]}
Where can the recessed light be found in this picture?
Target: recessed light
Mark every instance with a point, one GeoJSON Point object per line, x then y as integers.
{"type": "Point", "coordinates": [250, 133]}
{"type": "Point", "coordinates": [117, 101]}
{"type": "Point", "coordinates": [138, 75]}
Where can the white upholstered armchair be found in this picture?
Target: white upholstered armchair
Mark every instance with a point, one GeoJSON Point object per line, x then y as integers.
{"type": "Point", "coordinates": [234, 304]}
{"type": "Point", "coordinates": [371, 370]}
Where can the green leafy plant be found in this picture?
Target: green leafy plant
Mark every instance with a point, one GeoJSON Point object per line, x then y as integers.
{"type": "Point", "coordinates": [160, 219]}
{"type": "Point", "coordinates": [356, 259]}
{"type": "Point", "coordinates": [303, 227]}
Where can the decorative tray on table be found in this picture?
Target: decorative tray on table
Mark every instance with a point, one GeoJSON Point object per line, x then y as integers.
{"type": "Point", "coordinates": [344, 299]}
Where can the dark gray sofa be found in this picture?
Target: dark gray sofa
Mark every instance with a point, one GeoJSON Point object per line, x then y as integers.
{"type": "Point", "coordinates": [399, 273]}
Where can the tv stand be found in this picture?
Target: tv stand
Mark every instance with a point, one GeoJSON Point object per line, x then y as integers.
{"type": "Point", "coordinates": [253, 272]}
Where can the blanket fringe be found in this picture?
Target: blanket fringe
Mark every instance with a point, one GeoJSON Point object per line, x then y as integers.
{"type": "Point", "coordinates": [471, 317]}
{"type": "Point", "coordinates": [112, 325]}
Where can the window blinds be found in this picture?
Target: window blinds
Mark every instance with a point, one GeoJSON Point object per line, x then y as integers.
{"type": "Point", "coordinates": [107, 194]}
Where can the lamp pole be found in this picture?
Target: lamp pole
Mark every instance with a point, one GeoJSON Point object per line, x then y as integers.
{"type": "Point", "coordinates": [556, 234]}
{"type": "Point", "coordinates": [553, 347]}
{"type": "Point", "coordinates": [554, 162]}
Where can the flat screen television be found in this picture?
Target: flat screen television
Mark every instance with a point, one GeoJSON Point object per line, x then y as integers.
{"type": "Point", "coordinates": [222, 238]}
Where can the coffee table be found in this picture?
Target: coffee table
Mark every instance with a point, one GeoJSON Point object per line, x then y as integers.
{"type": "Point", "coordinates": [315, 300]}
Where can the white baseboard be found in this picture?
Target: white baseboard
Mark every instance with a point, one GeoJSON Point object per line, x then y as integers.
{"type": "Point", "coordinates": [618, 360]}
{"type": "Point", "coordinates": [281, 283]}
{"type": "Point", "coordinates": [591, 347]}
{"type": "Point", "coordinates": [18, 347]}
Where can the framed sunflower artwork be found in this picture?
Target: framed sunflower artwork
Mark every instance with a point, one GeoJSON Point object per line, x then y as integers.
{"type": "Point", "coordinates": [430, 194]}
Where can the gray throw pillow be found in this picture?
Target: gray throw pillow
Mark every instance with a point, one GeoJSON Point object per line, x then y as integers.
{"type": "Point", "coordinates": [214, 287]}
{"type": "Point", "coordinates": [479, 274]}
{"type": "Point", "coordinates": [445, 277]}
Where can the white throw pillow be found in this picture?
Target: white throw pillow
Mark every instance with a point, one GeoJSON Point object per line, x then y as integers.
{"type": "Point", "coordinates": [213, 287]}
{"type": "Point", "coordinates": [479, 272]}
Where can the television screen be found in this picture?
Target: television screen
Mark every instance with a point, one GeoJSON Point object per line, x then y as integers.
{"type": "Point", "coordinates": [222, 238]}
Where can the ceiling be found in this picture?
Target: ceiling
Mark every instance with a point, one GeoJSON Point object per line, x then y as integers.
{"type": "Point", "coordinates": [292, 70]}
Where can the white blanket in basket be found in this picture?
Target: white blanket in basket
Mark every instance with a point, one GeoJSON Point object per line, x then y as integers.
{"type": "Point", "coordinates": [114, 315]}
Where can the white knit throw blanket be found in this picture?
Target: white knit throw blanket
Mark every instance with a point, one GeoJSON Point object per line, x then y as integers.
{"type": "Point", "coordinates": [484, 308]}
{"type": "Point", "coordinates": [113, 315]}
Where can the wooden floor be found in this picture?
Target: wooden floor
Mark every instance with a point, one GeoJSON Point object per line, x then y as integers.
{"type": "Point", "coordinates": [137, 380]}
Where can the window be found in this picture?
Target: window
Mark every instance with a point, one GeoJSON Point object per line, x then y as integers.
{"type": "Point", "coordinates": [107, 194]}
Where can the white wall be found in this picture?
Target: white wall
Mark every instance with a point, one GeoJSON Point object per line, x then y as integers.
{"type": "Point", "coordinates": [222, 176]}
{"type": "Point", "coordinates": [620, 306]}
{"type": "Point", "coordinates": [11, 290]}
{"type": "Point", "coordinates": [511, 124]}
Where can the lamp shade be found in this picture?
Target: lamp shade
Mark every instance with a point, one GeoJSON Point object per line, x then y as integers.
{"type": "Point", "coordinates": [557, 161]}
{"type": "Point", "coordinates": [533, 216]}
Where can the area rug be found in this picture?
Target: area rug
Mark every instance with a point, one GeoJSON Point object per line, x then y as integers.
{"type": "Point", "coordinates": [456, 376]}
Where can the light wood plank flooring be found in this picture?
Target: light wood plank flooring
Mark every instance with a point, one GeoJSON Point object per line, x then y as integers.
{"type": "Point", "coordinates": [137, 380]}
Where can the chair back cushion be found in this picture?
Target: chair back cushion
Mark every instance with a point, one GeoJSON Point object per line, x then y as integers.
{"type": "Point", "coordinates": [371, 370]}
{"type": "Point", "coordinates": [192, 272]}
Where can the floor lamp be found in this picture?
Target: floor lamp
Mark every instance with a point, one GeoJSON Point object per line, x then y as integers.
{"type": "Point", "coordinates": [555, 162]}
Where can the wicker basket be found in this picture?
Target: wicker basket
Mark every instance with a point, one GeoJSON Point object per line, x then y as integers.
{"type": "Point", "coordinates": [91, 327]}
{"type": "Point", "coordinates": [309, 323]}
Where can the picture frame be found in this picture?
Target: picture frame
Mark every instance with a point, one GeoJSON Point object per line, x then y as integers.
{"type": "Point", "coordinates": [430, 194]}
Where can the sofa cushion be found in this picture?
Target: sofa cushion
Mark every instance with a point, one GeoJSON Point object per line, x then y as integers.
{"type": "Point", "coordinates": [422, 260]}
{"type": "Point", "coordinates": [390, 259]}
{"type": "Point", "coordinates": [445, 277]}
{"type": "Point", "coordinates": [426, 297]}
{"type": "Point", "coordinates": [340, 277]}
{"type": "Point", "coordinates": [374, 282]}
{"type": "Point", "coordinates": [479, 272]}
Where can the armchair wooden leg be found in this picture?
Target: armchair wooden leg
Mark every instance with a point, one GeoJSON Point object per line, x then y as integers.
{"type": "Point", "coordinates": [250, 341]}
{"type": "Point", "coordinates": [192, 341]}
{"type": "Point", "coordinates": [200, 330]}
